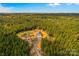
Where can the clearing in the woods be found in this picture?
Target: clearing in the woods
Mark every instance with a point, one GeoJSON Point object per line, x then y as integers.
{"type": "Point", "coordinates": [32, 34]}
{"type": "Point", "coordinates": [34, 38]}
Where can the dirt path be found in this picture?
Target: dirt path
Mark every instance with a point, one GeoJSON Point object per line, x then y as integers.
{"type": "Point", "coordinates": [34, 39]}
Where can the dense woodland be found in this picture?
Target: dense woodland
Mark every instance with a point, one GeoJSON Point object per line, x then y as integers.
{"type": "Point", "coordinates": [62, 29]}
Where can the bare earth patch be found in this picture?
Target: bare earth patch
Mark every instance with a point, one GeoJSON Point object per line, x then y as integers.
{"type": "Point", "coordinates": [31, 34]}
{"type": "Point", "coordinates": [34, 38]}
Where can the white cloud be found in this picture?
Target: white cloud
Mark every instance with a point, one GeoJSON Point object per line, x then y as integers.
{"type": "Point", "coordinates": [54, 4]}
{"type": "Point", "coordinates": [72, 3]}
{"type": "Point", "coordinates": [76, 3]}
{"type": "Point", "coordinates": [69, 3]}
{"type": "Point", "coordinates": [5, 9]}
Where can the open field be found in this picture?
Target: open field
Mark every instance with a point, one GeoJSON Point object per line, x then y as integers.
{"type": "Point", "coordinates": [63, 31]}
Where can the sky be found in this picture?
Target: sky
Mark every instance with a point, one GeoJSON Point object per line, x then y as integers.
{"type": "Point", "coordinates": [39, 8]}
